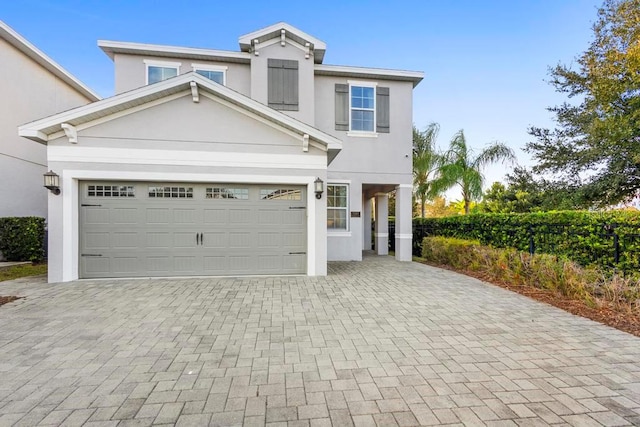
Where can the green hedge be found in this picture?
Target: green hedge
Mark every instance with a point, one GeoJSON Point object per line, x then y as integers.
{"type": "Point", "coordinates": [22, 238]}
{"type": "Point", "coordinates": [586, 237]}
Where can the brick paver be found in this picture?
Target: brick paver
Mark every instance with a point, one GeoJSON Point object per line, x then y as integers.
{"type": "Point", "coordinates": [374, 343]}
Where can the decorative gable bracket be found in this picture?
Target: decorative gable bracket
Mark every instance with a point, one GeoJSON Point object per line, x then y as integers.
{"type": "Point", "coordinates": [71, 132]}
{"type": "Point", "coordinates": [305, 142]}
{"type": "Point", "coordinates": [194, 92]}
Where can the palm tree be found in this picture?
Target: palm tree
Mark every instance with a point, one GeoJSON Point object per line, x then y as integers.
{"type": "Point", "coordinates": [425, 163]}
{"type": "Point", "coordinates": [460, 166]}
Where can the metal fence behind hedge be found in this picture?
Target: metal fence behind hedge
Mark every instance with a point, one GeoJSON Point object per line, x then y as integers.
{"type": "Point", "coordinates": [605, 247]}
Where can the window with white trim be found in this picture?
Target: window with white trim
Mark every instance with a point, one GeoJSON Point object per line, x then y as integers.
{"type": "Point", "coordinates": [215, 73]}
{"type": "Point", "coordinates": [158, 71]}
{"type": "Point", "coordinates": [362, 108]}
{"type": "Point", "coordinates": [337, 207]}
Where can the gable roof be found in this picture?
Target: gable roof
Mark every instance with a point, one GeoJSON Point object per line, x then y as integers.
{"type": "Point", "coordinates": [49, 127]}
{"type": "Point", "coordinates": [274, 31]}
{"type": "Point", "coordinates": [35, 54]}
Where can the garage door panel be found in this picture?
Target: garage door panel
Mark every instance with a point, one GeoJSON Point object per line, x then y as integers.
{"type": "Point", "coordinates": [125, 216]}
{"type": "Point", "coordinates": [125, 265]}
{"type": "Point", "coordinates": [183, 240]}
{"type": "Point", "coordinates": [97, 240]}
{"type": "Point", "coordinates": [95, 216]}
{"type": "Point", "coordinates": [270, 263]}
{"type": "Point", "coordinates": [124, 240]}
{"type": "Point", "coordinates": [269, 240]}
{"type": "Point", "coordinates": [158, 240]}
{"type": "Point", "coordinates": [239, 240]}
{"type": "Point", "coordinates": [229, 230]}
{"type": "Point", "coordinates": [185, 216]}
{"type": "Point", "coordinates": [240, 216]}
{"type": "Point", "coordinates": [159, 264]}
{"type": "Point", "coordinates": [159, 215]}
{"type": "Point", "coordinates": [215, 264]}
{"type": "Point", "coordinates": [216, 216]}
{"type": "Point", "coordinates": [269, 216]}
{"type": "Point", "coordinates": [294, 217]}
{"type": "Point", "coordinates": [215, 240]}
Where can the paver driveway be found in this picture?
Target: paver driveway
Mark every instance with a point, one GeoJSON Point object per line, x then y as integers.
{"type": "Point", "coordinates": [374, 342]}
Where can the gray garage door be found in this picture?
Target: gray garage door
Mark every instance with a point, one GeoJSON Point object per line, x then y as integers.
{"type": "Point", "coordinates": [133, 229]}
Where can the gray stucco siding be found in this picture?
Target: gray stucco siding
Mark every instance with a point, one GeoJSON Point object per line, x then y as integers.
{"type": "Point", "coordinates": [29, 92]}
{"type": "Point", "coordinates": [130, 71]}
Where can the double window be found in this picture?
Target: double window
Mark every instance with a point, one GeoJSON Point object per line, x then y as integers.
{"type": "Point", "coordinates": [158, 71]}
{"type": "Point", "coordinates": [337, 207]}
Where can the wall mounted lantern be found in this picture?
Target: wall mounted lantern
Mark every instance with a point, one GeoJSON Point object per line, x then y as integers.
{"type": "Point", "coordinates": [52, 182]}
{"type": "Point", "coordinates": [319, 187]}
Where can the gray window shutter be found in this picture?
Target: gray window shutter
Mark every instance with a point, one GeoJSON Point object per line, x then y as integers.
{"type": "Point", "coordinates": [342, 107]}
{"type": "Point", "coordinates": [282, 84]}
{"type": "Point", "coordinates": [382, 110]}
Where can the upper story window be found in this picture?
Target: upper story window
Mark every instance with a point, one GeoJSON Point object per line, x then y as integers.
{"type": "Point", "coordinates": [282, 84]}
{"type": "Point", "coordinates": [158, 71]}
{"type": "Point", "coordinates": [362, 108]}
{"type": "Point", "coordinates": [216, 73]}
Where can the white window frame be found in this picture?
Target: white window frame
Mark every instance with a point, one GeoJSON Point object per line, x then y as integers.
{"type": "Point", "coordinates": [363, 133]}
{"type": "Point", "coordinates": [209, 67]}
{"type": "Point", "coordinates": [162, 64]}
{"type": "Point", "coordinates": [347, 230]}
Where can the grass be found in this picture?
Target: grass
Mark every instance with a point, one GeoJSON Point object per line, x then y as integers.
{"type": "Point", "coordinates": [25, 270]}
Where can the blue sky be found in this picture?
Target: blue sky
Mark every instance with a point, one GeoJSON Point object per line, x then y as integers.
{"type": "Point", "coordinates": [485, 61]}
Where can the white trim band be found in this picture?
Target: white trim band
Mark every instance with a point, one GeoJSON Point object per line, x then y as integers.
{"type": "Point", "coordinates": [381, 235]}
{"type": "Point", "coordinates": [404, 236]}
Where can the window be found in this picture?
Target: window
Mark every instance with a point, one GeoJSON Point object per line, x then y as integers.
{"type": "Point", "coordinates": [337, 207]}
{"type": "Point", "coordinates": [171, 192]}
{"type": "Point", "coordinates": [280, 194]}
{"type": "Point", "coordinates": [227, 193]}
{"type": "Point", "coordinates": [111, 191]}
{"type": "Point", "coordinates": [282, 82]}
{"type": "Point", "coordinates": [158, 71]}
{"type": "Point", "coordinates": [212, 72]}
{"type": "Point", "coordinates": [363, 109]}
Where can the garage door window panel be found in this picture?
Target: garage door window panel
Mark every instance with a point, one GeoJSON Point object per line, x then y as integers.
{"type": "Point", "coordinates": [280, 194]}
{"type": "Point", "coordinates": [170, 192]}
{"type": "Point", "coordinates": [111, 191]}
{"type": "Point", "coordinates": [227, 193]}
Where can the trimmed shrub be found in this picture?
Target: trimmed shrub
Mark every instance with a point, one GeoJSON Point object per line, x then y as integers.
{"type": "Point", "coordinates": [587, 238]}
{"type": "Point", "coordinates": [22, 238]}
{"type": "Point", "coordinates": [540, 271]}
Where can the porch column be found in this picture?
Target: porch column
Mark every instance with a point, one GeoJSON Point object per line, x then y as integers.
{"type": "Point", "coordinates": [382, 224]}
{"type": "Point", "coordinates": [404, 226]}
{"type": "Point", "coordinates": [366, 225]}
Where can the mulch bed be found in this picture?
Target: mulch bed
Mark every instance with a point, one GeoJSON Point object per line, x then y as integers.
{"type": "Point", "coordinates": [7, 300]}
{"type": "Point", "coordinates": [608, 315]}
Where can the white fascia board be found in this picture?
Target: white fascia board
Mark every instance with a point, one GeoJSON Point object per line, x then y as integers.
{"type": "Point", "coordinates": [24, 46]}
{"type": "Point", "coordinates": [110, 47]}
{"type": "Point", "coordinates": [384, 73]}
{"type": "Point", "coordinates": [34, 135]}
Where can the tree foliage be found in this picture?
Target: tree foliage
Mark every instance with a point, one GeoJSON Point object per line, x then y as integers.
{"type": "Point", "coordinates": [524, 192]}
{"type": "Point", "coordinates": [598, 136]}
{"type": "Point", "coordinates": [462, 167]}
{"type": "Point", "coordinates": [425, 163]}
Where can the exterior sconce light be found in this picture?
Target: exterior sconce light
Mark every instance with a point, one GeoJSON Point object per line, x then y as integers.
{"type": "Point", "coordinates": [319, 187]}
{"type": "Point", "coordinates": [52, 182]}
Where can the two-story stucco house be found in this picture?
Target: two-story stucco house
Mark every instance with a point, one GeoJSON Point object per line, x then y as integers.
{"type": "Point", "coordinates": [210, 162]}
{"type": "Point", "coordinates": [32, 86]}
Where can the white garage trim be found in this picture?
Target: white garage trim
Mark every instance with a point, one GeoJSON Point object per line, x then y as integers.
{"type": "Point", "coordinates": [70, 217]}
{"type": "Point", "coordinates": [183, 158]}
